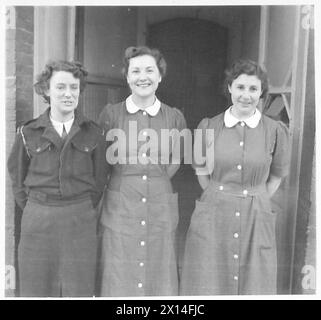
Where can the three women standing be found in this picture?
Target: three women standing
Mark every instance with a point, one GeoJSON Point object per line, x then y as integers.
{"type": "Point", "coordinates": [230, 246]}
{"type": "Point", "coordinates": [58, 168]}
{"type": "Point", "coordinates": [140, 210]}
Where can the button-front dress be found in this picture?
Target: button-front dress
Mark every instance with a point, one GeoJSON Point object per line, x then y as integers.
{"type": "Point", "coordinates": [140, 210]}
{"type": "Point", "coordinates": [231, 243]}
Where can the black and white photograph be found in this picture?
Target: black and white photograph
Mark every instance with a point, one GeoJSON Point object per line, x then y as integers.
{"type": "Point", "coordinates": [160, 150]}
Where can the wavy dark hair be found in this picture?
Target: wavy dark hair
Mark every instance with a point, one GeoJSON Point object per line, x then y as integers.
{"type": "Point", "coordinates": [43, 79]}
{"type": "Point", "coordinates": [132, 52]}
{"type": "Point", "coordinates": [249, 67]}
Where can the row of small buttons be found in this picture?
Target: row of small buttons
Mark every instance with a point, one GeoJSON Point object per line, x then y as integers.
{"type": "Point", "coordinates": [142, 244]}
{"type": "Point", "coordinates": [143, 223]}
{"type": "Point", "coordinates": [144, 177]}
{"type": "Point", "coordinates": [236, 236]}
{"type": "Point", "coordinates": [237, 213]}
{"type": "Point", "coordinates": [144, 200]}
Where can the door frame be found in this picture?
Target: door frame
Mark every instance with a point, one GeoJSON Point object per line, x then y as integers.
{"type": "Point", "coordinates": [297, 88]}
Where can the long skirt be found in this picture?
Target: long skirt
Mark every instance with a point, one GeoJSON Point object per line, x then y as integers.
{"type": "Point", "coordinates": [231, 244]}
{"type": "Point", "coordinates": [57, 249]}
{"type": "Point", "coordinates": [138, 254]}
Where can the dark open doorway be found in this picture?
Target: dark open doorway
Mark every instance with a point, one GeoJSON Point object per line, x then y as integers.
{"type": "Point", "coordinates": [195, 51]}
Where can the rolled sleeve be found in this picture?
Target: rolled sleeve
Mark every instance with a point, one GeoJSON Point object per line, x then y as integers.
{"type": "Point", "coordinates": [180, 140]}
{"type": "Point", "coordinates": [281, 156]}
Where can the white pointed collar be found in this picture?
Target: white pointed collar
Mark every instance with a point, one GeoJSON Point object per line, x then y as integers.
{"type": "Point", "coordinates": [151, 110]}
{"type": "Point", "coordinates": [252, 121]}
{"type": "Point", "coordinates": [59, 126]}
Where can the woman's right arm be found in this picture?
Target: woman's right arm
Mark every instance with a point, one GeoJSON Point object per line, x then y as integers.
{"type": "Point", "coordinates": [204, 181]}
{"type": "Point", "coordinates": [18, 164]}
{"type": "Point", "coordinates": [200, 164]}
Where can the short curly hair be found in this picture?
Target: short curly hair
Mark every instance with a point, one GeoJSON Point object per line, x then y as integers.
{"type": "Point", "coordinates": [249, 67]}
{"type": "Point", "coordinates": [43, 79]}
{"type": "Point", "coordinates": [132, 52]}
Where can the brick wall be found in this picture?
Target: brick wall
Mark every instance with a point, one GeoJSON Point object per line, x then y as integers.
{"type": "Point", "coordinates": [19, 108]}
{"type": "Point", "coordinates": [24, 63]}
{"type": "Point", "coordinates": [10, 134]}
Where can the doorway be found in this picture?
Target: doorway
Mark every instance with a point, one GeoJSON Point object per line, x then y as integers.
{"type": "Point", "coordinates": [195, 51]}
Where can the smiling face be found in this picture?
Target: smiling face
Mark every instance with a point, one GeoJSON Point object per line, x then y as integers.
{"type": "Point", "coordinates": [64, 90]}
{"type": "Point", "coordinates": [143, 77]}
{"type": "Point", "coordinates": [245, 93]}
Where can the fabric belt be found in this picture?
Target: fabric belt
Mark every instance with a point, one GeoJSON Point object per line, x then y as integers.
{"type": "Point", "coordinates": [238, 192]}
{"type": "Point", "coordinates": [51, 199]}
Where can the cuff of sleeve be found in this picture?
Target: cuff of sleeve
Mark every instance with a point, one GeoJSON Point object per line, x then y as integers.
{"type": "Point", "coordinates": [21, 198]}
{"type": "Point", "coordinates": [279, 171]}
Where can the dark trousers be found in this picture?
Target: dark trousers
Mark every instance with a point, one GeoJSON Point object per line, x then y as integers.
{"type": "Point", "coordinates": [57, 249]}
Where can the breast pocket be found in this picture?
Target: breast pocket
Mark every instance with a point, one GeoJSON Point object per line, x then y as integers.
{"type": "Point", "coordinates": [41, 157]}
{"type": "Point", "coordinates": [83, 157]}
